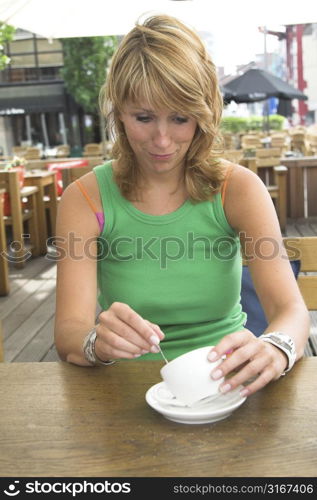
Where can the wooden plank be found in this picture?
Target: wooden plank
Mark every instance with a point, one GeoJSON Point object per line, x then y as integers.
{"type": "Point", "coordinates": [51, 355]}
{"type": "Point", "coordinates": [30, 328]}
{"type": "Point", "coordinates": [40, 345]}
{"type": "Point", "coordinates": [313, 343]}
{"type": "Point", "coordinates": [27, 299]}
{"type": "Point", "coordinates": [291, 229]}
{"type": "Point", "coordinates": [1, 343]}
{"type": "Point", "coordinates": [311, 190]}
{"type": "Point", "coordinates": [19, 277]}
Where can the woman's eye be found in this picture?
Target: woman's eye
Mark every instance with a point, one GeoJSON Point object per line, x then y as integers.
{"type": "Point", "coordinates": [180, 119]}
{"type": "Point", "coordinates": [143, 118]}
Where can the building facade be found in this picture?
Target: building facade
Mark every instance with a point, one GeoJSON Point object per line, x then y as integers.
{"type": "Point", "coordinates": [35, 108]}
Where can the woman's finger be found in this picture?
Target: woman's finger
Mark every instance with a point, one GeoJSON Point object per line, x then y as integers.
{"type": "Point", "coordinates": [261, 381]}
{"type": "Point", "coordinates": [128, 316]}
{"type": "Point", "coordinates": [250, 370]}
{"type": "Point", "coordinates": [110, 345]}
{"type": "Point", "coordinates": [123, 330]}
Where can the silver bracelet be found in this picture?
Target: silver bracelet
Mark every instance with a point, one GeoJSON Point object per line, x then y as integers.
{"type": "Point", "coordinates": [89, 350]}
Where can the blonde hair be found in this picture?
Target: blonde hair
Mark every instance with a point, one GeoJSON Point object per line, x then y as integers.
{"type": "Point", "coordinates": [165, 63]}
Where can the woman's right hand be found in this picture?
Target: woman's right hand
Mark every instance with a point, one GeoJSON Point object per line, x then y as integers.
{"type": "Point", "coordinates": [123, 333]}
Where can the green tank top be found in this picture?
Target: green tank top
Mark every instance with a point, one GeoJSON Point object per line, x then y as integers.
{"type": "Point", "coordinates": [181, 270]}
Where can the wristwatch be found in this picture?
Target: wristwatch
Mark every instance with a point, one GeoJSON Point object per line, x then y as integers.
{"type": "Point", "coordinates": [283, 342]}
{"type": "Point", "coordinates": [89, 350]}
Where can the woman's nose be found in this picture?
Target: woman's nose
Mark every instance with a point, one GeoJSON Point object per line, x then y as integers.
{"type": "Point", "coordinates": [161, 136]}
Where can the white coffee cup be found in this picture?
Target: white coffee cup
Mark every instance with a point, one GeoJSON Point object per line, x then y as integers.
{"type": "Point", "coordinates": [188, 376]}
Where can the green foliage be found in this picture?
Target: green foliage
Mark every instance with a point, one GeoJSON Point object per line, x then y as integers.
{"type": "Point", "coordinates": [6, 35]}
{"type": "Point", "coordinates": [234, 124]}
{"type": "Point", "coordinates": [85, 63]}
{"type": "Point", "coordinates": [276, 122]}
{"type": "Point", "coordinates": [238, 124]}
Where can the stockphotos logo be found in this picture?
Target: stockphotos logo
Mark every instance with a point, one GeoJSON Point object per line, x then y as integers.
{"type": "Point", "coordinates": [12, 490]}
{"type": "Point", "coordinates": [71, 488]}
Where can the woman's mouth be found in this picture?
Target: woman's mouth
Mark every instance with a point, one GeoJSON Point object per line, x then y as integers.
{"type": "Point", "coordinates": [161, 157]}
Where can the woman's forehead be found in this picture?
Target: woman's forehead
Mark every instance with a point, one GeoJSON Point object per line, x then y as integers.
{"type": "Point", "coordinates": [147, 107]}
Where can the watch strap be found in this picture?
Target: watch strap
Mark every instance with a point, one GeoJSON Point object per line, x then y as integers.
{"type": "Point", "coordinates": [89, 350]}
{"type": "Point", "coordinates": [285, 344]}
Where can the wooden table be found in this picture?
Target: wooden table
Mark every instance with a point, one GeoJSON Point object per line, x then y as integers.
{"type": "Point", "coordinates": [47, 198]}
{"type": "Point", "coordinates": [58, 419]}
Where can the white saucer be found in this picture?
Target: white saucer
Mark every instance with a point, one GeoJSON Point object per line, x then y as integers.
{"type": "Point", "coordinates": [217, 409]}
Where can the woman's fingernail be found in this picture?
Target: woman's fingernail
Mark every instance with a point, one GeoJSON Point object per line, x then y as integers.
{"type": "Point", "coordinates": [217, 374]}
{"type": "Point", "coordinates": [136, 355]}
{"type": "Point", "coordinates": [154, 349]}
{"type": "Point", "coordinates": [244, 392]}
{"type": "Point", "coordinates": [225, 388]}
{"type": "Point", "coordinates": [144, 351]}
{"type": "Point", "coordinates": [154, 340]}
{"type": "Point", "coordinates": [212, 356]}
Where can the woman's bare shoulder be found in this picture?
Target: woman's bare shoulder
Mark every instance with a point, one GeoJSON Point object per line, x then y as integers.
{"type": "Point", "coordinates": [247, 198]}
{"type": "Point", "coordinates": [90, 186]}
{"type": "Point", "coordinates": [74, 209]}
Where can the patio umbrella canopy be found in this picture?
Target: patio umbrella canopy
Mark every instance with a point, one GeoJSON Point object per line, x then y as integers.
{"type": "Point", "coordinates": [257, 85]}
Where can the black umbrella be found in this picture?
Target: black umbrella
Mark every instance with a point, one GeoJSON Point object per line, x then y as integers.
{"type": "Point", "coordinates": [227, 95]}
{"type": "Point", "coordinates": [257, 85]}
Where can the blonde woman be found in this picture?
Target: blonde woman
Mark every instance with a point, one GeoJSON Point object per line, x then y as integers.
{"type": "Point", "coordinates": [156, 232]}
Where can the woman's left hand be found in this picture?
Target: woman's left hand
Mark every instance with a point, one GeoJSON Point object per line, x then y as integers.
{"type": "Point", "coordinates": [249, 358]}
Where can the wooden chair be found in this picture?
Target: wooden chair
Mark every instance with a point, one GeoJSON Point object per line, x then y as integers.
{"type": "Point", "coordinates": [267, 165]}
{"type": "Point", "coordinates": [229, 140]}
{"type": "Point", "coordinates": [32, 154]}
{"type": "Point", "coordinates": [298, 248]}
{"type": "Point", "coordinates": [312, 140]}
{"type": "Point", "coordinates": [305, 249]}
{"type": "Point", "coordinates": [234, 155]}
{"type": "Point", "coordinates": [20, 213]}
{"type": "Point", "coordinates": [19, 151]}
{"type": "Point", "coordinates": [279, 141]}
{"type": "Point", "coordinates": [62, 151]}
{"type": "Point", "coordinates": [92, 149]}
{"type": "Point", "coordinates": [250, 141]}
{"type": "Point", "coordinates": [299, 142]}
{"type": "Point", "coordinates": [69, 175]}
{"type": "Point", "coordinates": [4, 267]}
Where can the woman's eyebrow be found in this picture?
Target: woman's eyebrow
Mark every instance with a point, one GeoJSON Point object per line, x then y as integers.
{"type": "Point", "coordinates": [143, 110]}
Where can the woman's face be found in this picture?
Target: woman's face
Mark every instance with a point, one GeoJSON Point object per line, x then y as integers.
{"type": "Point", "coordinates": [159, 138]}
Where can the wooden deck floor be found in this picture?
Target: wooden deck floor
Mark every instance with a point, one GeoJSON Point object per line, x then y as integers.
{"type": "Point", "coordinates": [27, 314]}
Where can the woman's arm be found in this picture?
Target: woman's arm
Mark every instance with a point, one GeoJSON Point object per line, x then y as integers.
{"type": "Point", "coordinates": [76, 287]}
{"type": "Point", "coordinates": [121, 332]}
{"type": "Point", "coordinates": [249, 209]}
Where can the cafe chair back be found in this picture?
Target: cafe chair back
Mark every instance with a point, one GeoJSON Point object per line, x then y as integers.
{"type": "Point", "coordinates": [32, 153]}
{"type": "Point", "coordinates": [305, 249]}
{"type": "Point", "coordinates": [4, 266]}
{"type": "Point", "coordinates": [234, 155]}
{"type": "Point", "coordinates": [92, 149]}
{"type": "Point", "coordinates": [69, 175]}
{"type": "Point", "coordinates": [267, 165]}
{"type": "Point", "coordinates": [62, 151]}
{"type": "Point", "coordinates": [302, 253]}
{"type": "Point", "coordinates": [22, 209]}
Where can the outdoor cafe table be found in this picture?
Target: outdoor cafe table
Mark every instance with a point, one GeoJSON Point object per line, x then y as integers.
{"type": "Point", "coordinates": [46, 183]}
{"type": "Point", "coordinates": [58, 419]}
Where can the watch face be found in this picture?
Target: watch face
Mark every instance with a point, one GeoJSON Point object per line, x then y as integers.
{"type": "Point", "coordinates": [281, 342]}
